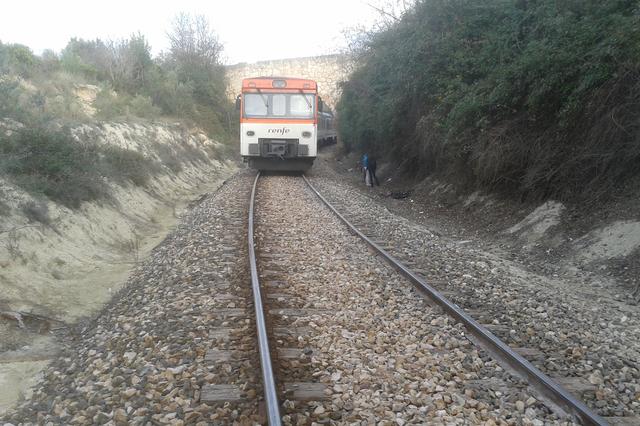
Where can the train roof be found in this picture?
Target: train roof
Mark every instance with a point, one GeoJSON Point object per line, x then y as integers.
{"type": "Point", "coordinates": [289, 83]}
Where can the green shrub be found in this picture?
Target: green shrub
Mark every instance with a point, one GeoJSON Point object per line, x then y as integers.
{"type": "Point", "coordinates": [533, 97]}
{"type": "Point", "coordinates": [85, 58]}
{"type": "Point", "coordinates": [188, 82]}
{"type": "Point", "coordinates": [174, 97]}
{"type": "Point", "coordinates": [9, 95]}
{"type": "Point", "coordinates": [141, 106]}
{"type": "Point", "coordinates": [44, 101]}
{"type": "Point", "coordinates": [168, 157]}
{"type": "Point", "coordinates": [122, 165]}
{"type": "Point", "coordinates": [53, 164]}
{"type": "Point", "coordinates": [50, 62]}
{"type": "Point", "coordinates": [18, 60]}
{"type": "Point", "coordinates": [109, 105]}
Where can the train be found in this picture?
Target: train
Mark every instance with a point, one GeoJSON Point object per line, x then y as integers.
{"type": "Point", "coordinates": [283, 122]}
{"type": "Point", "coordinates": [327, 134]}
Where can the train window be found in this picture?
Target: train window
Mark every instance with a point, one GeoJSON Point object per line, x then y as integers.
{"type": "Point", "coordinates": [254, 105]}
{"type": "Point", "coordinates": [279, 105]}
{"type": "Point", "coordinates": [301, 107]}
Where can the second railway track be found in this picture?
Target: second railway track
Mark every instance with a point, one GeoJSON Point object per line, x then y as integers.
{"type": "Point", "coordinates": [354, 342]}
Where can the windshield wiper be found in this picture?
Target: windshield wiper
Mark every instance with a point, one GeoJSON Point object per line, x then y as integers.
{"type": "Point", "coordinates": [266, 102]}
{"type": "Point", "coordinates": [305, 99]}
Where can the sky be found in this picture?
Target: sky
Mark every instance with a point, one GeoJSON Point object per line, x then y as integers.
{"type": "Point", "coordinates": [251, 30]}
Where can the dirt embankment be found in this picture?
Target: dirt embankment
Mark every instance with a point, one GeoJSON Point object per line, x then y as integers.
{"type": "Point", "coordinates": [64, 267]}
{"type": "Point", "coordinates": [597, 244]}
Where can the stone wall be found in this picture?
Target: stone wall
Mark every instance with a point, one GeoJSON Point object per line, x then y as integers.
{"type": "Point", "coordinates": [328, 71]}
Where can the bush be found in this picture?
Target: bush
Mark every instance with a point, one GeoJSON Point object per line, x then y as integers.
{"type": "Point", "coordinates": [43, 101]}
{"type": "Point", "coordinates": [168, 157]}
{"type": "Point", "coordinates": [18, 60]}
{"type": "Point", "coordinates": [41, 93]}
{"type": "Point", "coordinates": [536, 98]}
{"type": "Point", "coordinates": [174, 97]}
{"type": "Point", "coordinates": [86, 58]}
{"type": "Point", "coordinates": [188, 82]}
{"type": "Point", "coordinates": [109, 105]}
{"type": "Point", "coordinates": [54, 164]}
{"type": "Point", "coordinates": [122, 165]}
{"type": "Point", "coordinates": [141, 106]}
{"type": "Point", "coordinates": [10, 100]}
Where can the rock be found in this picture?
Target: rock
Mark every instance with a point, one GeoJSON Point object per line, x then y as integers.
{"type": "Point", "coordinates": [176, 370]}
{"type": "Point", "coordinates": [101, 418]}
{"type": "Point", "coordinates": [397, 407]}
{"type": "Point", "coordinates": [191, 416]}
{"type": "Point", "coordinates": [530, 413]}
{"type": "Point", "coordinates": [382, 354]}
{"type": "Point", "coordinates": [129, 393]}
{"type": "Point", "coordinates": [120, 416]}
{"type": "Point", "coordinates": [130, 356]}
{"type": "Point", "coordinates": [596, 378]}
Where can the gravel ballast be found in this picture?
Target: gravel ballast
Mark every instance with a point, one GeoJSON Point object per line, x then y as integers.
{"type": "Point", "coordinates": [588, 341]}
{"type": "Point", "coordinates": [143, 358]}
{"type": "Point", "coordinates": [383, 353]}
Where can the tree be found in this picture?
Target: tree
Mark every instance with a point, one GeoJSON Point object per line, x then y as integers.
{"type": "Point", "coordinates": [195, 56]}
{"type": "Point", "coordinates": [129, 63]}
{"type": "Point", "coordinates": [17, 59]}
{"type": "Point", "coordinates": [193, 42]}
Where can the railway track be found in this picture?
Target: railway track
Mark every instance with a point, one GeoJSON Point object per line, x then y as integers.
{"type": "Point", "coordinates": [268, 379]}
{"type": "Point", "coordinates": [280, 287]}
{"type": "Point", "coordinates": [339, 336]}
{"type": "Point", "coordinates": [550, 390]}
{"type": "Point", "coordinates": [176, 345]}
{"type": "Point", "coordinates": [581, 344]}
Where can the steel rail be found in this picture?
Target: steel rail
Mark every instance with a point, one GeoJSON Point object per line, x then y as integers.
{"type": "Point", "coordinates": [550, 390]}
{"type": "Point", "coordinates": [268, 379]}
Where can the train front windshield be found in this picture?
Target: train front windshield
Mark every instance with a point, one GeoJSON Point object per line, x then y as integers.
{"type": "Point", "coordinates": [279, 105]}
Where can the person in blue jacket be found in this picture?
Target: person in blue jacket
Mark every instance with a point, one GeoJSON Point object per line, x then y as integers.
{"type": "Point", "coordinates": [365, 166]}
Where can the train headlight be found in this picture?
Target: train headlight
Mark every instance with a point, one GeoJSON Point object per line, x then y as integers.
{"type": "Point", "coordinates": [306, 134]}
{"type": "Point", "coordinates": [250, 133]}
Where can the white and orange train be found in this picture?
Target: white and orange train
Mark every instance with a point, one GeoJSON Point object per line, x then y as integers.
{"type": "Point", "coordinates": [282, 123]}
